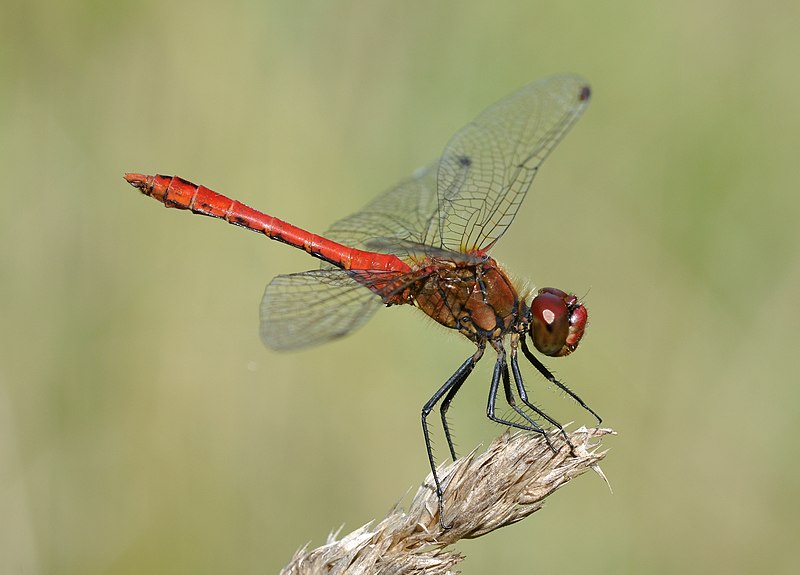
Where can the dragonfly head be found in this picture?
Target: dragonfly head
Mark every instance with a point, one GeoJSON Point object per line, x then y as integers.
{"type": "Point", "coordinates": [557, 322]}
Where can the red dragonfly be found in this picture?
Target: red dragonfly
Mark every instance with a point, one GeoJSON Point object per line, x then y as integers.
{"type": "Point", "coordinates": [424, 243]}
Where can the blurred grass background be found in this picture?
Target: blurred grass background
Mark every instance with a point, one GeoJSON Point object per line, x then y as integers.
{"type": "Point", "coordinates": [144, 428]}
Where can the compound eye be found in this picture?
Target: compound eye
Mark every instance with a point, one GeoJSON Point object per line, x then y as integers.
{"type": "Point", "coordinates": [549, 323]}
{"type": "Point", "coordinates": [557, 322]}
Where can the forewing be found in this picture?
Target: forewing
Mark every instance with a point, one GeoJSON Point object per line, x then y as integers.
{"type": "Point", "coordinates": [488, 166]}
{"type": "Point", "coordinates": [467, 199]}
{"type": "Point", "coordinates": [309, 308]}
{"type": "Point", "coordinates": [398, 218]}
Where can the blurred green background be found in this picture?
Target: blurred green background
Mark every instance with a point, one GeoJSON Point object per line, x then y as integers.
{"type": "Point", "coordinates": [144, 428]}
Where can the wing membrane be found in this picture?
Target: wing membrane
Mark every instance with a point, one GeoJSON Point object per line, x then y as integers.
{"type": "Point", "coordinates": [488, 166]}
{"type": "Point", "coordinates": [400, 216]}
{"type": "Point", "coordinates": [466, 200]}
{"type": "Point", "coordinates": [309, 308]}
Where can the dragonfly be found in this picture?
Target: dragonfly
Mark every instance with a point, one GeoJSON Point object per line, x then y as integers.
{"type": "Point", "coordinates": [425, 243]}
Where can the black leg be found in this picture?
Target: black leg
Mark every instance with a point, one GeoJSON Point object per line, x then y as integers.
{"type": "Point", "coordinates": [523, 395]}
{"type": "Point", "coordinates": [454, 383]}
{"type": "Point", "coordinates": [443, 407]}
{"type": "Point", "coordinates": [501, 370]}
{"type": "Point", "coordinates": [534, 426]}
{"type": "Point", "coordinates": [551, 378]}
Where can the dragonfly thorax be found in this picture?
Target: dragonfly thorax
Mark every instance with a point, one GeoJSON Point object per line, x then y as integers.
{"type": "Point", "coordinates": [478, 300]}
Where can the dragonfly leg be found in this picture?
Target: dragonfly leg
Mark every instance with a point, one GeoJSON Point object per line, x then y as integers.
{"type": "Point", "coordinates": [445, 405]}
{"type": "Point", "coordinates": [552, 379]}
{"type": "Point", "coordinates": [523, 395]}
{"type": "Point", "coordinates": [501, 371]}
{"type": "Point", "coordinates": [534, 426]}
{"type": "Point", "coordinates": [448, 390]}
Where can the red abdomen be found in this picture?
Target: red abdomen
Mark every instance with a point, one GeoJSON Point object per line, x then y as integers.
{"type": "Point", "coordinates": [175, 192]}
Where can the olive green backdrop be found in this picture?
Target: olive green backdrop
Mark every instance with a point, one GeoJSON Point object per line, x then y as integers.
{"type": "Point", "coordinates": [145, 429]}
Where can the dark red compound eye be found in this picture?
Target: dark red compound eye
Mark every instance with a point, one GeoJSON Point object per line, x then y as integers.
{"type": "Point", "coordinates": [557, 322]}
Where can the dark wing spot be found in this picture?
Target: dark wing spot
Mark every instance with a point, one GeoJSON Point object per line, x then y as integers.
{"type": "Point", "coordinates": [585, 93]}
{"type": "Point", "coordinates": [464, 161]}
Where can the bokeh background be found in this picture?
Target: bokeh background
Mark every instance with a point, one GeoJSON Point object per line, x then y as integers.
{"type": "Point", "coordinates": [144, 428]}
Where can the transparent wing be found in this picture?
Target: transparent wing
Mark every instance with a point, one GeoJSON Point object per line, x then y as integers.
{"type": "Point", "coordinates": [488, 166]}
{"type": "Point", "coordinates": [453, 208]}
{"type": "Point", "coordinates": [309, 308]}
{"type": "Point", "coordinates": [467, 199]}
{"type": "Point", "coordinates": [397, 218]}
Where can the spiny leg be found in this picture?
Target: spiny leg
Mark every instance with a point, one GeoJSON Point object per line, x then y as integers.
{"type": "Point", "coordinates": [443, 407]}
{"type": "Point", "coordinates": [501, 370]}
{"type": "Point", "coordinates": [534, 426]}
{"type": "Point", "coordinates": [523, 395]}
{"type": "Point", "coordinates": [552, 379]}
{"type": "Point", "coordinates": [454, 382]}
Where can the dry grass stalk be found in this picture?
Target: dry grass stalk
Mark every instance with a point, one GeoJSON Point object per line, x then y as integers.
{"type": "Point", "coordinates": [483, 492]}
